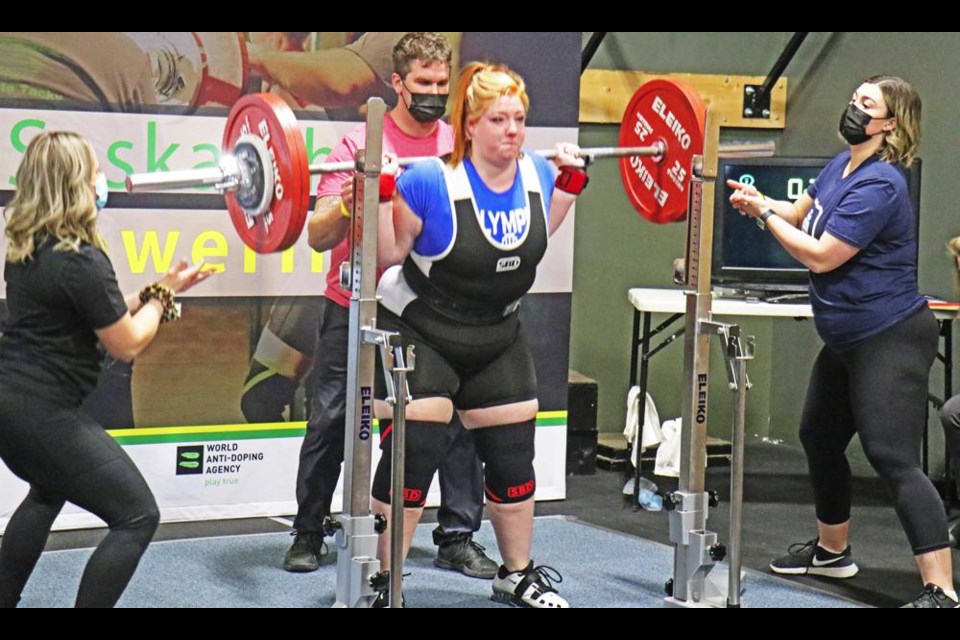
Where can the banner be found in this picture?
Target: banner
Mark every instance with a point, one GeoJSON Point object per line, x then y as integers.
{"type": "Point", "coordinates": [158, 101]}
{"type": "Point", "coordinates": [237, 471]}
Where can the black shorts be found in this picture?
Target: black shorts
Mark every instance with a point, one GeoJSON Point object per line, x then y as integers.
{"type": "Point", "coordinates": [476, 366]}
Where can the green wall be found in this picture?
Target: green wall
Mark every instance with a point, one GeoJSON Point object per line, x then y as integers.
{"type": "Point", "coordinates": [615, 249]}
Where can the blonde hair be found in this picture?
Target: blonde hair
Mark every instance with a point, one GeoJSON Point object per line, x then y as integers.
{"type": "Point", "coordinates": [54, 197]}
{"type": "Point", "coordinates": [903, 103]}
{"type": "Point", "coordinates": [480, 85]}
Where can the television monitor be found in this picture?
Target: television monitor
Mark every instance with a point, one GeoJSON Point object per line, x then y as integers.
{"type": "Point", "coordinates": [749, 261]}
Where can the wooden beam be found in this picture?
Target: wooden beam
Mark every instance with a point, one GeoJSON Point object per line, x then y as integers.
{"type": "Point", "coordinates": [604, 95]}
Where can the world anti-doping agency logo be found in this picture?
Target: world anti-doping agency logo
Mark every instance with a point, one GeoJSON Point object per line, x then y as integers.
{"type": "Point", "coordinates": [190, 460]}
{"type": "Point", "coordinates": [215, 458]}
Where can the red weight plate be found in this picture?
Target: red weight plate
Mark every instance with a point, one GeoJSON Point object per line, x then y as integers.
{"type": "Point", "coordinates": [668, 111]}
{"type": "Point", "coordinates": [269, 118]}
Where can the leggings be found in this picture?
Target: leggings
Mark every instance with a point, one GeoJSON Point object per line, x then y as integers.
{"type": "Point", "coordinates": [877, 390]}
{"type": "Point", "coordinates": [65, 455]}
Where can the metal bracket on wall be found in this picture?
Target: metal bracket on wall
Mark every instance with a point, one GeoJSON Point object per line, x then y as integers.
{"type": "Point", "coordinates": [756, 103]}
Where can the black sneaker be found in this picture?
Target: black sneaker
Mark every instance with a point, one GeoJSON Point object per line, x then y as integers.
{"type": "Point", "coordinates": [811, 559]}
{"type": "Point", "coordinates": [305, 553]}
{"type": "Point", "coordinates": [381, 582]}
{"type": "Point", "coordinates": [458, 552]}
{"type": "Point", "coordinates": [932, 597]}
{"type": "Point", "coordinates": [531, 588]}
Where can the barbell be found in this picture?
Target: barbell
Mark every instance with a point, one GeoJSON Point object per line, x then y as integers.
{"type": "Point", "coordinates": [264, 173]}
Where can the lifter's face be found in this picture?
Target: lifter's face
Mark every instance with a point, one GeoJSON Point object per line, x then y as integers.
{"type": "Point", "coordinates": [499, 133]}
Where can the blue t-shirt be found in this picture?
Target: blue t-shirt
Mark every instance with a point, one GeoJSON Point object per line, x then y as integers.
{"type": "Point", "coordinates": [870, 209]}
{"type": "Point", "coordinates": [425, 191]}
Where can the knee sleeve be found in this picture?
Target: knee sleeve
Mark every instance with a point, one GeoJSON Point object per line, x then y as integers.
{"type": "Point", "coordinates": [507, 453]}
{"type": "Point", "coordinates": [426, 443]}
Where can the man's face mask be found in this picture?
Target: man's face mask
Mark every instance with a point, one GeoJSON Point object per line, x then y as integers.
{"type": "Point", "coordinates": [426, 107]}
{"type": "Point", "coordinates": [102, 191]}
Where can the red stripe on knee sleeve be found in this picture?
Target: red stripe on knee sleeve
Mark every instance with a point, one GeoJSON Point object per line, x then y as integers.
{"type": "Point", "coordinates": [491, 495]}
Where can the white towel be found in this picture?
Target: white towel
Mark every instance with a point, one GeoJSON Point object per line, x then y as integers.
{"type": "Point", "coordinates": [668, 455]}
{"type": "Point", "coordinates": [651, 422]}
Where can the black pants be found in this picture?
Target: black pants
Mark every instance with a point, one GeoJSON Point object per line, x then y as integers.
{"type": "Point", "coordinates": [67, 457]}
{"type": "Point", "coordinates": [877, 390]}
{"type": "Point", "coordinates": [950, 417]}
{"type": "Point", "coordinates": [461, 473]}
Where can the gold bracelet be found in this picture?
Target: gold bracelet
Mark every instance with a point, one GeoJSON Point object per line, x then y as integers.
{"type": "Point", "coordinates": [165, 296]}
{"type": "Point", "coordinates": [344, 211]}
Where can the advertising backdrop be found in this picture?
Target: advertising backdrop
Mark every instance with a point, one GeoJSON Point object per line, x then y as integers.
{"type": "Point", "coordinates": [189, 411]}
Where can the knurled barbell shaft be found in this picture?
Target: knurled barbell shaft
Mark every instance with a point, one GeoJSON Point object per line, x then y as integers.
{"type": "Point", "coordinates": [193, 178]}
{"type": "Point", "coordinates": [595, 153]}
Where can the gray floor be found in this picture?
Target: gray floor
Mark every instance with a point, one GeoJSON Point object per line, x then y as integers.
{"type": "Point", "coordinates": [600, 569]}
{"type": "Point", "coordinates": [777, 512]}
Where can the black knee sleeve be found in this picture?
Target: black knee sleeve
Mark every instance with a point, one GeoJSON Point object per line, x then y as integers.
{"type": "Point", "coordinates": [426, 442]}
{"type": "Point", "coordinates": [507, 453]}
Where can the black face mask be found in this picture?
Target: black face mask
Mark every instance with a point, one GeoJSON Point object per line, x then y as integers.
{"type": "Point", "coordinates": [427, 107]}
{"type": "Point", "coordinates": [853, 124]}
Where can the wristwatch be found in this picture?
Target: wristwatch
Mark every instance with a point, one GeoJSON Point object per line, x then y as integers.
{"type": "Point", "coordinates": [763, 217]}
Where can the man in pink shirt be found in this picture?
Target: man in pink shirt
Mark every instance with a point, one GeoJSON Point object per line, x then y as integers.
{"type": "Point", "coordinates": [421, 81]}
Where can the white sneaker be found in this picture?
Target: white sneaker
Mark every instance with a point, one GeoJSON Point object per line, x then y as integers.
{"type": "Point", "coordinates": [532, 587]}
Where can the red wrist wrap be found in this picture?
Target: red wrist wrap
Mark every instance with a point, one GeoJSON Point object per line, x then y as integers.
{"type": "Point", "coordinates": [388, 184]}
{"type": "Point", "coordinates": [572, 179]}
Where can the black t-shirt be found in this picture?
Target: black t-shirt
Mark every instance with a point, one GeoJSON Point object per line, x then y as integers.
{"type": "Point", "coordinates": [55, 301]}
